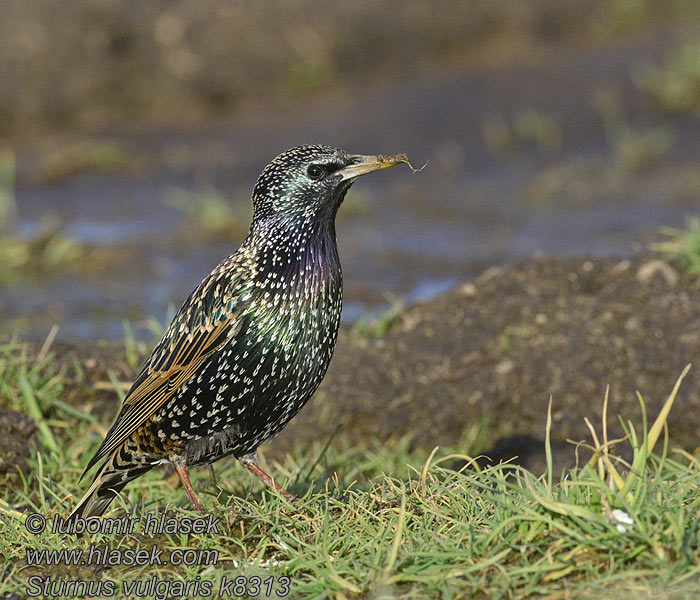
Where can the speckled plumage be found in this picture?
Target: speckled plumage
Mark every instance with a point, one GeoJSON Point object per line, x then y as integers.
{"type": "Point", "coordinates": [253, 341]}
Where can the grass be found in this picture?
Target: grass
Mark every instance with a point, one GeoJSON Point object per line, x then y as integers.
{"type": "Point", "coordinates": [683, 246]}
{"type": "Point", "coordinates": [8, 204]}
{"type": "Point", "coordinates": [528, 129]}
{"type": "Point", "coordinates": [619, 17]}
{"type": "Point", "coordinates": [385, 520]}
{"type": "Point", "coordinates": [96, 155]}
{"type": "Point", "coordinates": [211, 211]}
{"type": "Point", "coordinates": [136, 349]}
{"type": "Point", "coordinates": [638, 149]}
{"type": "Point", "coordinates": [25, 256]}
{"type": "Point", "coordinates": [377, 325]}
{"type": "Point", "coordinates": [674, 85]}
{"type": "Point", "coordinates": [633, 149]}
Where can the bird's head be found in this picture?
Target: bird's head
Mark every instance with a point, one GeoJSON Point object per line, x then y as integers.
{"type": "Point", "coordinates": [307, 184]}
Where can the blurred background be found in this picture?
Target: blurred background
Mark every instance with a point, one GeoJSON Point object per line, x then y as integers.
{"type": "Point", "coordinates": [133, 133]}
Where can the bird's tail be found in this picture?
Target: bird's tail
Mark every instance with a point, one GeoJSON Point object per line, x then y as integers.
{"type": "Point", "coordinates": [118, 470]}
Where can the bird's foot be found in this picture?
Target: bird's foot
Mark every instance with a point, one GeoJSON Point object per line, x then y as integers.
{"type": "Point", "coordinates": [251, 462]}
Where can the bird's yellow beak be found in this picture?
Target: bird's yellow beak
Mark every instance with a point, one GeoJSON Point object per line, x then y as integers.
{"type": "Point", "coordinates": [366, 164]}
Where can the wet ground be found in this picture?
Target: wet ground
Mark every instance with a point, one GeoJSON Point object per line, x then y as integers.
{"type": "Point", "coordinates": [494, 191]}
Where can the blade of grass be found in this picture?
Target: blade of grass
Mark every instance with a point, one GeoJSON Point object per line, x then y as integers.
{"type": "Point", "coordinates": [424, 472]}
{"type": "Point", "coordinates": [394, 550]}
{"type": "Point", "coordinates": [548, 446]}
{"type": "Point", "coordinates": [47, 438]}
{"type": "Point", "coordinates": [117, 385]}
{"type": "Point", "coordinates": [658, 425]}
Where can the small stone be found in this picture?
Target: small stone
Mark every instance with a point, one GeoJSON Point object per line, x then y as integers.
{"type": "Point", "coordinates": [468, 289]}
{"type": "Point", "coordinates": [489, 274]}
{"type": "Point", "coordinates": [504, 367]}
{"type": "Point", "coordinates": [475, 397]}
{"type": "Point", "coordinates": [657, 268]}
{"type": "Point", "coordinates": [632, 324]}
{"type": "Point", "coordinates": [622, 267]}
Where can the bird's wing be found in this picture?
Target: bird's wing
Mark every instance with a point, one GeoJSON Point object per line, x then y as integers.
{"type": "Point", "coordinates": [207, 320]}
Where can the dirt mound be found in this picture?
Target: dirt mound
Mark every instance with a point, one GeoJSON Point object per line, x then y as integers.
{"type": "Point", "coordinates": [500, 346]}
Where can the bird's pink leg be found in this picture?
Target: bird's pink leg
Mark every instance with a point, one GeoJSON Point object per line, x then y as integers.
{"type": "Point", "coordinates": [187, 484]}
{"type": "Point", "coordinates": [250, 462]}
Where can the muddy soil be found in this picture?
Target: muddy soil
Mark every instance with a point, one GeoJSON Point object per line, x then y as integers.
{"type": "Point", "coordinates": [493, 350]}
{"type": "Point", "coordinates": [16, 428]}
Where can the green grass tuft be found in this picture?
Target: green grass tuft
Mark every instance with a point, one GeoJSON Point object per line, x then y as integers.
{"type": "Point", "coordinates": [211, 211]}
{"type": "Point", "coordinates": [24, 256]}
{"type": "Point", "coordinates": [683, 247]}
{"type": "Point", "coordinates": [633, 150]}
{"type": "Point", "coordinates": [377, 326]}
{"type": "Point", "coordinates": [674, 85]}
{"type": "Point", "coordinates": [529, 128]}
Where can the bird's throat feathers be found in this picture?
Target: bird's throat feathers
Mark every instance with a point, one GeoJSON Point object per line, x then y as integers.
{"type": "Point", "coordinates": [300, 256]}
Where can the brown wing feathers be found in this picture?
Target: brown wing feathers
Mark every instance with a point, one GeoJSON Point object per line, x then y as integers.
{"type": "Point", "coordinates": [171, 365]}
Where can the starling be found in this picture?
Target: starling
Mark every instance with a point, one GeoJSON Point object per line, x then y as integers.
{"type": "Point", "coordinates": [252, 342]}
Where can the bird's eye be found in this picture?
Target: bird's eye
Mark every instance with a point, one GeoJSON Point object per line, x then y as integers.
{"type": "Point", "coordinates": [315, 171]}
